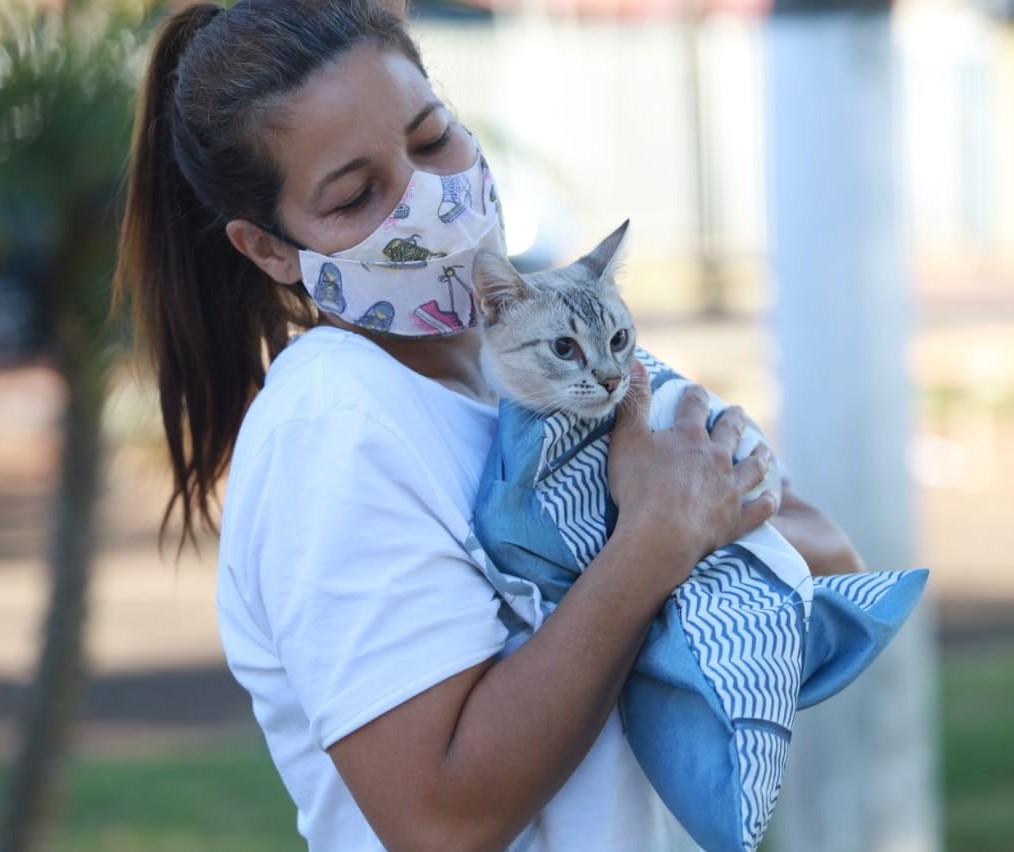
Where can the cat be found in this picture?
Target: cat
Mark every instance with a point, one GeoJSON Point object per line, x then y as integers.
{"type": "Point", "coordinates": [564, 339]}
{"type": "Point", "coordinates": [745, 641]}
{"type": "Point", "coordinates": [557, 340]}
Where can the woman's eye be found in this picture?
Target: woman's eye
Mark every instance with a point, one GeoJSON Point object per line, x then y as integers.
{"type": "Point", "coordinates": [565, 348]}
{"type": "Point", "coordinates": [619, 340]}
{"type": "Point", "coordinates": [436, 144]}
{"type": "Point", "coordinates": [355, 203]}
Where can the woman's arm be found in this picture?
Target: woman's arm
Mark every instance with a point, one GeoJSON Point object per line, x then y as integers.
{"type": "Point", "coordinates": [468, 763]}
{"type": "Point", "coordinates": [823, 544]}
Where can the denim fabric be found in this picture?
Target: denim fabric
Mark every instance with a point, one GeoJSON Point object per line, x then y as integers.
{"type": "Point", "coordinates": [748, 639]}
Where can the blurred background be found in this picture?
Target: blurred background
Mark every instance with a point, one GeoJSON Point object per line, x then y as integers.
{"type": "Point", "coordinates": [822, 208]}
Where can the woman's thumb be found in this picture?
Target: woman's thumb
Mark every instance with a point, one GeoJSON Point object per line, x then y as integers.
{"type": "Point", "coordinates": [636, 403]}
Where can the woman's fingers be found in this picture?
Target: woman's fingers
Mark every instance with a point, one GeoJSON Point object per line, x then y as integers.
{"type": "Point", "coordinates": [631, 434]}
{"type": "Point", "coordinates": [681, 484]}
{"type": "Point", "coordinates": [750, 472]}
{"type": "Point", "coordinates": [729, 427]}
{"type": "Point", "coordinates": [692, 410]}
{"type": "Point", "coordinates": [759, 510]}
{"type": "Point", "coordinates": [633, 409]}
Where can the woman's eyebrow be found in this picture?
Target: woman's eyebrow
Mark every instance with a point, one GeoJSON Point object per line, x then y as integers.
{"type": "Point", "coordinates": [359, 162]}
{"type": "Point", "coordinates": [421, 117]}
{"type": "Point", "coordinates": [334, 175]}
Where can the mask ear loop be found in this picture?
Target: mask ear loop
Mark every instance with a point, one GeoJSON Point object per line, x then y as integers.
{"type": "Point", "coordinates": [278, 233]}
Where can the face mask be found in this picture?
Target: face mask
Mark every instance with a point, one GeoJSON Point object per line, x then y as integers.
{"type": "Point", "coordinates": [413, 275]}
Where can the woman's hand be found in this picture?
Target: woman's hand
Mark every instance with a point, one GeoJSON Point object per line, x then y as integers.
{"type": "Point", "coordinates": [822, 543]}
{"type": "Point", "coordinates": [678, 488]}
{"type": "Point", "coordinates": [469, 762]}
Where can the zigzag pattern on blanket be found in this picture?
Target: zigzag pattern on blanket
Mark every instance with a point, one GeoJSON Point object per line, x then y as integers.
{"type": "Point", "coordinates": [761, 774]}
{"type": "Point", "coordinates": [746, 635]}
{"type": "Point", "coordinates": [651, 363]}
{"type": "Point", "coordinates": [575, 495]}
{"type": "Point", "coordinates": [864, 590]}
{"type": "Point", "coordinates": [747, 638]}
{"type": "Point", "coordinates": [737, 649]}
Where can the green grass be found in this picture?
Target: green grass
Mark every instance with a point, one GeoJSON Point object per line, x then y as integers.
{"type": "Point", "coordinates": [978, 751]}
{"type": "Point", "coordinates": [227, 798]}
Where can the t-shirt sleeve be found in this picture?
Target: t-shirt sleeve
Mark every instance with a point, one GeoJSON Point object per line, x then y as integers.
{"type": "Point", "coordinates": [368, 592]}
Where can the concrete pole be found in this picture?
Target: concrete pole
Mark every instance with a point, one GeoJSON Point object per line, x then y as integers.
{"type": "Point", "coordinates": [862, 768]}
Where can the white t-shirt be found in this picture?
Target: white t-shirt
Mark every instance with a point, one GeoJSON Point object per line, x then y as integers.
{"type": "Point", "coordinates": [345, 587]}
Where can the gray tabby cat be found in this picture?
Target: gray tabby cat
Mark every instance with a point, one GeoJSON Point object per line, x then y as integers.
{"type": "Point", "coordinates": [563, 340]}
{"type": "Point", "coordinates": [747, 639]}
{"type": "Point", "coordinates": [560, 340]}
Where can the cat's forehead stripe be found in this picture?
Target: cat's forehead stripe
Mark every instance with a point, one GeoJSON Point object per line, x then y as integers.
{"type": "Point", "coordinates": [528, 344]}
{"type": "Point", "coordinates": [583, 306]}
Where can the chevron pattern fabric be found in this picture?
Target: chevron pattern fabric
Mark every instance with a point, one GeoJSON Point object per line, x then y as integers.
{"type": "Point", "coordinates": [764, 755]}
{"type": "Point", "coordinates": [864, 590]}
{"type": "Point", "coordinates": [574, 494]}
{"type": "Point", "coordinates": [747, 640]}
{"type": "Point", "coordinates": [748, 645]}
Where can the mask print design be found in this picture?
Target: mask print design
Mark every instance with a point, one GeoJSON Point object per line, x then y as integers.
{"type": "Point", "coordinates": [409, 251]}
{"type": "Point", "coordinates": [431, 315]}
{"type": "Point", "coordinates": [413, 275]}
{"type": "Point", "coordinates": [329, 288]}
{"type": "Point", "coordinates": [378, 317]}
{"type": "Point", "coordinates": [457, 197]}
{"type": "Point", "coordinates": [451, 278]}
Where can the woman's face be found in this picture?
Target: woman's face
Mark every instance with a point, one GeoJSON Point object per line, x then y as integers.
{"type": "Point", "coordinates": [350, 140]}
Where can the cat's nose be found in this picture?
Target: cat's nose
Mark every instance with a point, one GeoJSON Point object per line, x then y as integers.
{"type": "Point", "coordinates": [610, 384]}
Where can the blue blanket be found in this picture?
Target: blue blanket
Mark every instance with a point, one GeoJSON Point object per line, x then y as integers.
{"type": "Point", "coordinates": [744, 642]}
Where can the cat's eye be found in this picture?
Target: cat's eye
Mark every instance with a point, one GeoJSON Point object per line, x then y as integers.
{"type": "Point", "coordinates": [565, 348]}
{"type": "Point", "coordinates": [619, 340]}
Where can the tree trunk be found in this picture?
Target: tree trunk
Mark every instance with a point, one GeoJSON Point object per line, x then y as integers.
{"type": "Point", "coordinates": [48, 719]}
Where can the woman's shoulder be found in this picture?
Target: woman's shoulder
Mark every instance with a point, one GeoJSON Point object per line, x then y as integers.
{"type": "Point", "coordinates": [321, 382]}
{"type": "Point", "coordinates": [330, 372]}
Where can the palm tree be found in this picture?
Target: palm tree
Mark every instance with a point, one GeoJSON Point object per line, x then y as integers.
{"type": "Point", "coordinates": [67, 77]}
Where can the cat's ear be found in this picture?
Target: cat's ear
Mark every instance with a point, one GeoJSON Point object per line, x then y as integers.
{"type": "Point", "coordinates": [497, 284]}
{"type": "Point", "coordinates": [604, 259]}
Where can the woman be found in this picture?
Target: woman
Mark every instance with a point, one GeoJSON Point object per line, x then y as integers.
{"type": "Point", "coordinates": [276, 138]}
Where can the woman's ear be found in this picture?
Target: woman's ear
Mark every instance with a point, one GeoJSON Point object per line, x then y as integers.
{"type": "Point", "coordinates": [276, 258]}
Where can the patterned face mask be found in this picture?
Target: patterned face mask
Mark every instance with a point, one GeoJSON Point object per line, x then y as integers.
{"type": "Point", "coordinates": [413, 275]}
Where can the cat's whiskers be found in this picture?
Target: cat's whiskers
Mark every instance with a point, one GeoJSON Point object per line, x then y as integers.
{"type": "Point", "coordinates": [637, 403]}
{"type": "Point", "coordinates": [557, 340]}
{"type": "Point", "coordinates": [542, 404]}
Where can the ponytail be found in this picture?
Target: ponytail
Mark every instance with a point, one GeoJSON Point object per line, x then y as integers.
{"type": "Point", "coordinates": [210, 319]}
{"type": "Point", "coordinates": [207, 315]}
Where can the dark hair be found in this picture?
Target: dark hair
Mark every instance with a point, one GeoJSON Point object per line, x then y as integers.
{"type": "Point", "coordinates": [210, 319]}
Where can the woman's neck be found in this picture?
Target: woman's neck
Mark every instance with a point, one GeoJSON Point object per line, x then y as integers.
{"type": "Point", "coordinates": [453, 361]}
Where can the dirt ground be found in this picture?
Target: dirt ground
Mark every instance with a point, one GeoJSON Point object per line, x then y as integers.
{"type": "Point", "coordinates": [157, 670]}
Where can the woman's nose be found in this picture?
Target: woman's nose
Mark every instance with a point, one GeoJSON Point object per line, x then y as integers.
{"type": "Point", "coordinates": [401, 174]}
